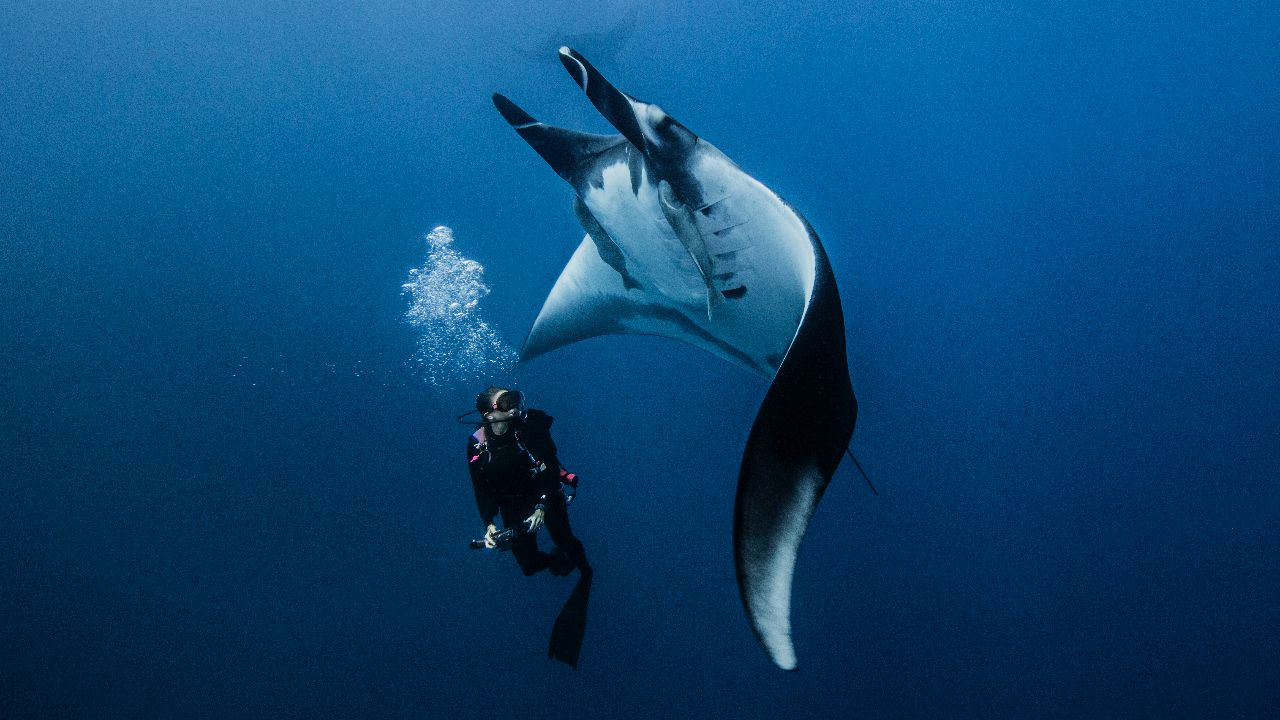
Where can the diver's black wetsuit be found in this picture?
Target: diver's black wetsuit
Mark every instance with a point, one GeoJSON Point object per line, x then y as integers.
{"type": "Point", "coordinates": [515, 471]}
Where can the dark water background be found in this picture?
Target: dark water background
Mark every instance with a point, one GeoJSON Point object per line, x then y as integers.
{"type": "Point", "coordinates": [225, 493]}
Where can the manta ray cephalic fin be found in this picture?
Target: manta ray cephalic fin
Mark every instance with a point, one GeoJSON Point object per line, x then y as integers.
{"type": "Point", "coordinates": [564, 150]}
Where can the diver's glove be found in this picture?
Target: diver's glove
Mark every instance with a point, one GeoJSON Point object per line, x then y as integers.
{"type": "Point", "coordinates": [534, 521]}
{"type": "Point", "coordinates": [489, 540]}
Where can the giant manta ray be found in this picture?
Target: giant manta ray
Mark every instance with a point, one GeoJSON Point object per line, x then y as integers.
{"type": "Point", "coordinates": [682, 243]}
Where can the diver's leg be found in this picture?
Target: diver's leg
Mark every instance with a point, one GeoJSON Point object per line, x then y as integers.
{"type": "Point", "coordinates": [530, 558]}
{"type": "Point", "coordinates": [557, 522]}
{"type": "Point", "coordinates": [525, 547]}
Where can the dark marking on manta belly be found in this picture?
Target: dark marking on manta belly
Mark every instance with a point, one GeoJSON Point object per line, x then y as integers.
{"type": "Point", "coordinates": [735, 293]}
{"type": "Point", "coordinates": [635, 167]}
{"type": "Point", "coordinates": [727, 228]}
{"type": "Point", "coordinates": [606, 247]}
{"type": "Point", "coordinates": [706, 209]}
{"type": "Point", "coordinates": [613, 257]}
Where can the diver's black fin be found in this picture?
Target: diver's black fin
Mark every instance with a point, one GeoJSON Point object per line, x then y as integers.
{"type": "Point", "coordinates": [564, 150]}
{"type": "Point", "coordinates": [571, 624]}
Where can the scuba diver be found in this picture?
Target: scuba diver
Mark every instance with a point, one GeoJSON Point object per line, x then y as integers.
{"type": "Point", "coordinates": [516, 474]}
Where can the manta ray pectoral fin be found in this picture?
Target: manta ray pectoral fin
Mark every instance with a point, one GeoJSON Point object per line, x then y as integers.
{"type": "Point", "coordinates": [591, 298]}
{"type": "Point", "coordinates": [788, 461]}
{"type": "Point", "coordinates": [584, 303]}
{"type": "Point", "coordinates": [564, 150]}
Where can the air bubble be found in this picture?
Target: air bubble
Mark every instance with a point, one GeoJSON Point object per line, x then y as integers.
{"type": "Point", "coordinates": [456, 345]}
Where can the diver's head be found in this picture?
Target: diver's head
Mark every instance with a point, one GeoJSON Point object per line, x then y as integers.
{"type": "Point", "coordinates": [500, 407]}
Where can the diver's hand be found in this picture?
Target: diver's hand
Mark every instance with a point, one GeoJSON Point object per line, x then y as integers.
{"type": "Point", "coordinates": [534, 521]}
{"type": "Point", "coordinates": [489, 532]}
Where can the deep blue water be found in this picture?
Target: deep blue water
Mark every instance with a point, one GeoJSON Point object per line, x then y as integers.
{"type": "Point", "coordinates": [225, 491]}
